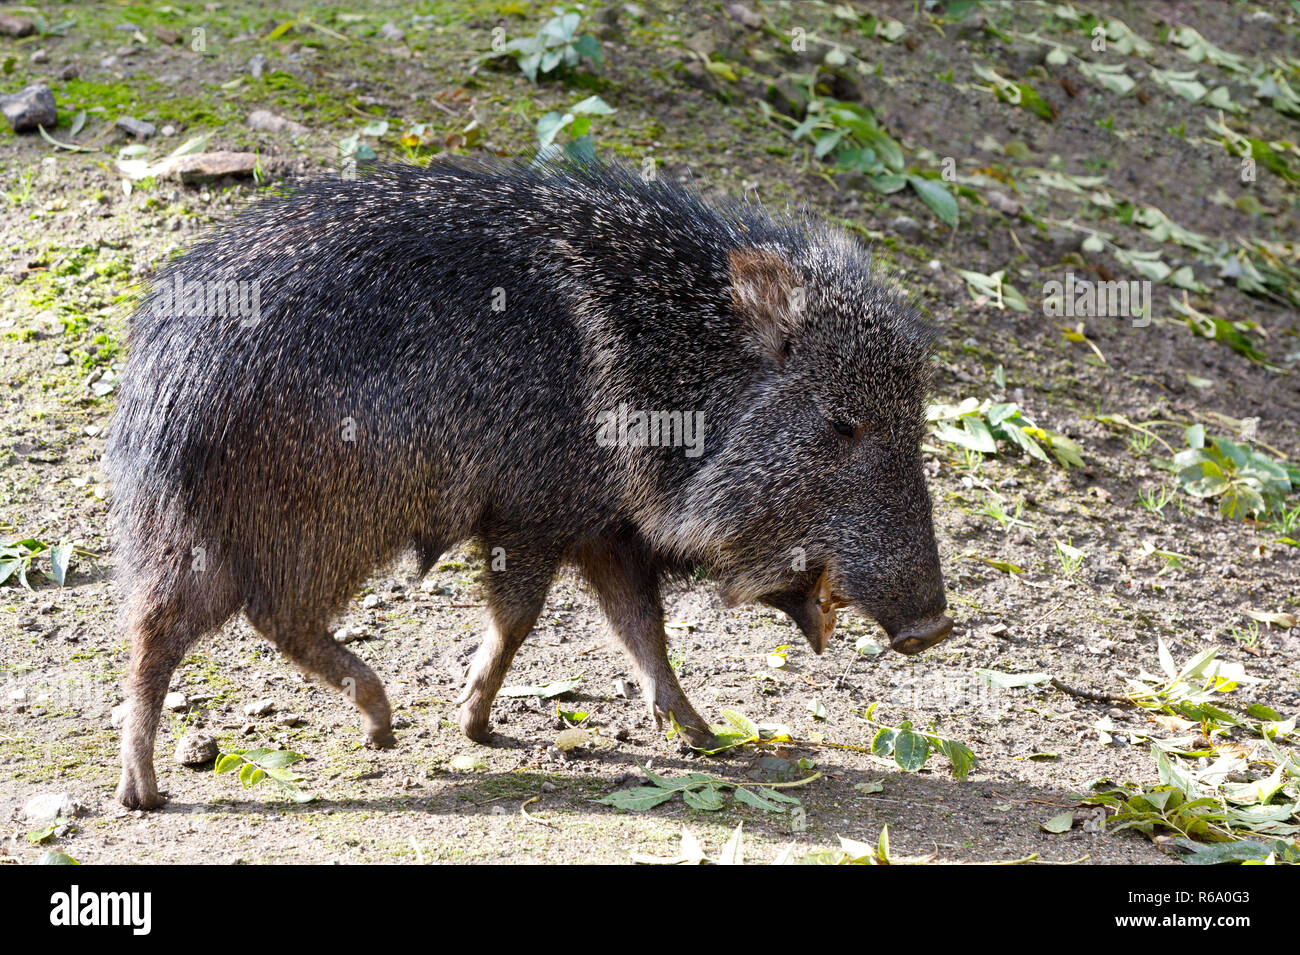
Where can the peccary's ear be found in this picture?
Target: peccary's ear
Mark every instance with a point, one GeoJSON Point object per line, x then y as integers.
{"type": "Point", "coordinates": [768, 296]}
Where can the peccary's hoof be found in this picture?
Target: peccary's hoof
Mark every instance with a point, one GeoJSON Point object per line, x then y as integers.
{"type": "Point", "coordinates": [697, 737]}
{"type": "Point", "coordinates": [702, 740]}
{"type": "Point", "coordinates": [133, 795]}
{"type": "Point", "coordinates": [921, 635]}
{"type": "Point", "coordinates": [381, 739]}
{"type": "Point", "coordinates": [475, 726]}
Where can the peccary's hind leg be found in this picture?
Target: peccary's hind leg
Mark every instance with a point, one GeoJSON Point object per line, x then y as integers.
{"type": "Point", "coordinates": [162, 622]}
{"type": "Point", "coordinates": [517, 583]}
{"type": "Point", "coordinates": [627, 585]}
{"type": "Point", "coordinates": [314, 650]}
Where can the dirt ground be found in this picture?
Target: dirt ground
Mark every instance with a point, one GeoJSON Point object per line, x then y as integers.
{"type": "Point", "coordinates": [688, 83]}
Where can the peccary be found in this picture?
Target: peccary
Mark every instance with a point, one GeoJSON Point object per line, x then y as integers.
{"type": "Point", "coordinates": [421, 357]}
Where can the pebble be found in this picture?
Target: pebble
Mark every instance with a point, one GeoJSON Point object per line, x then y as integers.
{"type": "Point", "coordinates": [11, 25]}
{"type": "Point", "coordinates": [348, 634]}
{"type": "Point", "coordinates": [30, 107]}
{"type": "Point", "coordinates": [198, 168]}
{"type": "Point", "coordinates": [905, 226]}
{"type": "Point", "coordinates": [268, 121]}
{"type": "Point", "coordinates": [391, 31]}
{"type": "Point", "coordinates": [196, 749]}
{"type": "Point", "coordinates": [49, 806]}
{"type": "Point", "coordinates": [136, 128]}
{"type": "Point", "coordinates": [174, 702]}
{"type": "Point", "coordinates": [1002, 202]}
{"type": "Point", "coordinates": [260, 707]}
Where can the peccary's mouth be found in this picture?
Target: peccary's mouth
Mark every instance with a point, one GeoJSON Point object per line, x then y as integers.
{"type": "Point", "coordinates": [813, 610]}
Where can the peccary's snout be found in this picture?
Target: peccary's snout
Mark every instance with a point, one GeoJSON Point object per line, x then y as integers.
{"type": "Point", "coordinates": [922, 634]}
{"type": "Point", "coordinates": [901, 588]}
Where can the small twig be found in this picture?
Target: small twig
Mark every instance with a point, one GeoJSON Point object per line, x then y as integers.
{"type": "Point", "coordinates": [1016, 239]}
{"type": "Point", "coordinates": [523, 811]}
{"type": "Point", "coordinates": [828, 745]}
{"type": "Point", "coordinates": [1041, 802]}
{"type": "Point", "coordinates": [1042, 617]}
{"type": "Point", "coordinates": [464, 605]}
{"type": "Point", "coordinates": [839, 680]}
{"type": "Point", "coordinates": [1096, 696]}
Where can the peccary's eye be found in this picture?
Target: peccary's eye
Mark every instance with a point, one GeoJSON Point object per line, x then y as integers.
{"type": "Point", "coordinates": [843, 428]}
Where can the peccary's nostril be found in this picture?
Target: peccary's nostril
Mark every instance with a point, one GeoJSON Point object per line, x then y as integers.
{"type": "Point", "coordinates": [922, 634]}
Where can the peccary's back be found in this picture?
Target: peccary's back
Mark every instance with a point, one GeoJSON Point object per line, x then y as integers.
{"type": "Point", "coordinates": [422, 354]}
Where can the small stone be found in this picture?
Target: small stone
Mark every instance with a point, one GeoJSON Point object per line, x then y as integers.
{"type": "Point", "coordinates": [346, 634]}
{"type": "Point", "coordinates": [168, 130]}
{"type": "Point", "coordinates": [136, 128]}
{"type": "Point", "coordinates": [69, 72]}
{"type": "Point", "coordinates": [289, 719]}
{"type": "Point", "coordinates": [199, 168]}
{"type": "Point", "coordinates": [50, 806]}
{"type": "Point", "coordinates": [40, 56]}
{"type": "Point", "coordinates": [391, 31]}
{"type": "Point", "coordinates": [625, 689]}
{"type": "Point", "coordinates": [1002, 202]}
{"type": "Point", "coordinates": [371, 601]}
{"type": "Point", "coordinates": [268, 121]}
{"type": "Point", "coordinates": [11, 25]}
{"type": "Point", "coordinates": [117, 716]}
{"type": "Point", "coordinates": [549, 787]}
{"type": "Point", "coordinates": [1116, 713]}
{"type": "Point", "coordinates": [1063, 241]}
{"type": "Point", "coordinates": [62, 358]}
{"type": "Point", "coordinates": [260, 707]}
{"type": "Point", "coordinates": [166, 35]}
{"type": "Point", "coordinates": [30, 107]}
{"type": "Point", "coordinates": [196, 749]}
{"type": "Point", "coordinates": [175, 702]}
{"type": "Point", "coordinates": [257, 66]}
{"type": "Point", "coordinates": [906, 226]}
{"type": "Point", "coordinates": [742, 14]}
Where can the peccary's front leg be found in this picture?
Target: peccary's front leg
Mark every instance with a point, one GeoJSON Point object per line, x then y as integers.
{"type": "Point", "coordinates": [517, 582]}
{"type": "Point", "coordinates": [627, 585]}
